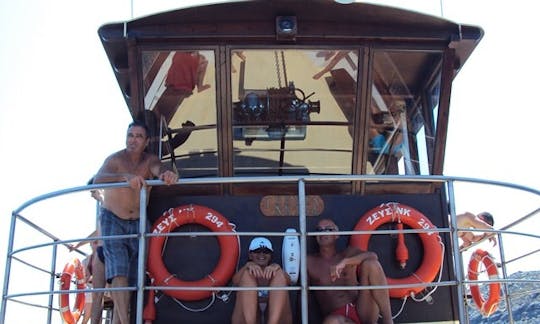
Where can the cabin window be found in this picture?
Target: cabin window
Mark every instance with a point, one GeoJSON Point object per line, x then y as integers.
{"type": "Point", "coordinates": [404, 95]}
{"type": "Point", "coordinates": [180, 104]}
{"type": "Point", "coordinates": [293, 110]}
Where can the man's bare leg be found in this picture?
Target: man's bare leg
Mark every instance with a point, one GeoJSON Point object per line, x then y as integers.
{"type": "Point", "coordinates": [279, 308]}
{"type": "Point", "coordinates": [201, 72]}
{"type": "Point", "coordinates": [372, 302]}
{"type": "Point", "coordinates": [169, 102]}
{"type": "Point", "coordinates": [120, 300]}
{"type": "Point", "coordinates": [97, 297]}
{"type": "Point", "coordinates": [338, 56]}
{"type": "Point", "coordinates": [246, 307]}
{"type": "Point", "coordinates": [87, 311]}
{"type": "Point", "coordinates": [467, 238]}
{"type": "Point", "coordinates": [337, 319]}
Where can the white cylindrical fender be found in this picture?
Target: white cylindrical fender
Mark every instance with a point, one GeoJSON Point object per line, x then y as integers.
{"type": "Point", "coordinates": [290, 255]}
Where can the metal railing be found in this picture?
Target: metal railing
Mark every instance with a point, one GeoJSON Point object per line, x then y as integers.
{"type": "Point", "coordinates": [303, 234]}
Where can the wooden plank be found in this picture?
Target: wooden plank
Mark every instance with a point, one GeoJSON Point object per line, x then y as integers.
{"type": "Point", "coordinates": [287, 205]}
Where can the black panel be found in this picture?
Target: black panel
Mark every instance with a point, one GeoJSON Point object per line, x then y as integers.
{"type": "Point", "coordinates": [195, 256]}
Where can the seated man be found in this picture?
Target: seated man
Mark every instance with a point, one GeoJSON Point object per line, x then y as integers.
{"type": "Point", "coordinates": [259, 271]}
{"type": "Point", "coordinates": [351, 267]}
{"type": "Point", "coordinates": [483, 220]}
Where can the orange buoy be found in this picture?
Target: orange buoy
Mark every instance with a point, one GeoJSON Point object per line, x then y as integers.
{"type": "Point", "coordinates": [400, 213]}
{"type": "Point", "coordinates": [485, 306]}
{"type": "Point", "coordinates": [73, 270]}
{"type": "Point", "coordinates": [224, 269]}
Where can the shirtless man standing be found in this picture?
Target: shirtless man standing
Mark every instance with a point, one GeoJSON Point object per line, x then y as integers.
{"type": "Point", "coordinates": [120, 211]}
{"type": "Point", "coordinates": [483, 220]}
{"type": "Point", "coordinates": [350, 267]}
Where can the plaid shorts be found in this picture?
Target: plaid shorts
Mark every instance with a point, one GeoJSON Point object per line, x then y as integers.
{"type": "Point", "coordinates": [120, 254]}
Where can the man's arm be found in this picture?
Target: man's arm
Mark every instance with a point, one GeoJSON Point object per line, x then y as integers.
{"type": "Point", "coordinates": [109, 172]}
{"type": "Point", "coordinates": [81, 243]}
{"type": "Point", "coordinates": [353, 257]}
{"type": "Point", "coordinates": [157, 170]}
{"type": "Point", "coordinates": [480, 224]}
{"type": "Point", "coordinates": [250, 266]}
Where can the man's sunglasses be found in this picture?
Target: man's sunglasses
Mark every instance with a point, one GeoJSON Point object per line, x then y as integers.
{"type": "Point", "coordinates": [326, 229]}
{"type": "Point", "coordinates": [261, 250]}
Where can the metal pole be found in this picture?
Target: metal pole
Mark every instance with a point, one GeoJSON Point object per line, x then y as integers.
{"type": "Point", "coordinates": [505, 276]}
{"type": "Point", "coordinates": [303, 249]}
{"type": "Point", "coordinates": [8, 268]}
{"type": "Point", "coordinates": [458, 263]}
{"type": "Point", "coordinates": [142, 255]}
{"type": "Point", "coordinates": [51, 284]}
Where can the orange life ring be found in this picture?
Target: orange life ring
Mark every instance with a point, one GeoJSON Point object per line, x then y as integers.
{"type": "Point", "coordinates": [72, 270]}
{"type": "Point", "coordinates": [489, 306]}
{"type": "Point", "coordinates": [433, 254]}
{"type": "Point", "coordinates": [225, 267]}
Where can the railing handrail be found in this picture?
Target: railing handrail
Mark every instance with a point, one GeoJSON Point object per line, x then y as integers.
{"type": "Point", "coordinates": [300, 180]}
{"type": "Point", "coordinates": [276, 179]}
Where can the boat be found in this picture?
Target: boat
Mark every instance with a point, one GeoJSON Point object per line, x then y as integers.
{"type": "Point", "coordinates": [276, 114]}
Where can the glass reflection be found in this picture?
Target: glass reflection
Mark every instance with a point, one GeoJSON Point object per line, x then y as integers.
{"type": "Point", "coordinates": [180, 105]}
{"type": "Point", "coordinates": [403, 97]}
{"type": "Point", "coordinates": [293, 110]}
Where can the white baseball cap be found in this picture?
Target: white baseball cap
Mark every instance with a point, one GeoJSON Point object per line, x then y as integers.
{"type": "Point", "coordinates": [260, 242]}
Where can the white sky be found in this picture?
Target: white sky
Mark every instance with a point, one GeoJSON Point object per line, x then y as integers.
{"type": "Point", "coordinates": [61, 111]}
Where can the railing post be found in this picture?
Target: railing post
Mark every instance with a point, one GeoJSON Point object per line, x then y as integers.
{"type": "Point", "coordinates": [505, 275]}
{"type": "Point", "coordinates": [303, 249]}
{"type": "Point", "coordinates": [51, 285]}
{"type": "Point", "coordinates": [8, 268]}
{"type": "Point", "coordinates": [458, 262]}
{"type": "Point", "coordinates": [142, 255]}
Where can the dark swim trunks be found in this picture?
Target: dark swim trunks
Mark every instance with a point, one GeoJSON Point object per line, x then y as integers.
{"type": "Point", "coordinates": [100, 254]}
{"type": "Point", "coordinates": [101, 257]}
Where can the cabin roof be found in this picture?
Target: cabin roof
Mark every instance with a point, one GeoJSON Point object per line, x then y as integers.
{"type": "Point", "coordinates": [320, 22]}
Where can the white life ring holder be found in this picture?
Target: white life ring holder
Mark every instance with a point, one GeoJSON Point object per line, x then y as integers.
{"type": "Point", "coordinates": [290, 255]}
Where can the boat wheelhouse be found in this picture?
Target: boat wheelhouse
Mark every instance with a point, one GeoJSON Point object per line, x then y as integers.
{"type": "Point", "coordinates": [277, 114]}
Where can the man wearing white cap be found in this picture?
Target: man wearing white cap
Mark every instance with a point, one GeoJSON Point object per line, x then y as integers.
{"type": "Point", "coordinates": [259, 271]}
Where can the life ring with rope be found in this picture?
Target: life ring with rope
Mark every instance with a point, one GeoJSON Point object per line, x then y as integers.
{"type": "Point", "coordinates": [489, 306]}
{"type": "Point", "coordinates": [73, 270]}
{"type": "Point", "coordinates": [431, 241]}
{"type": "Point", "coordinates": [222, 273]}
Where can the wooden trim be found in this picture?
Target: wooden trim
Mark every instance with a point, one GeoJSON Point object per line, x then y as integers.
{"type": "Point", "coordinates": [444, 107]}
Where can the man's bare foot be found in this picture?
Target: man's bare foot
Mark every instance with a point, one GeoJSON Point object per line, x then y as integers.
{"type": "Point", "coordinates": [203, 87]}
